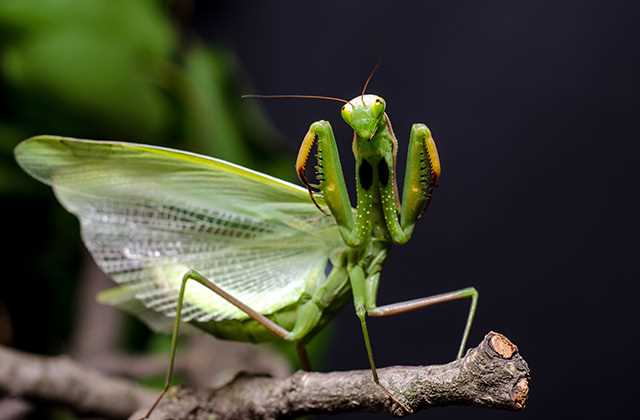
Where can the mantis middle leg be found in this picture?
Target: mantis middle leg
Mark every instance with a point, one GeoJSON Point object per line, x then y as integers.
{"type": "Point", "coordinates": [358, 285]}
{"type": "Point", "coordinates": [415, 304]}
{"type": "Point", "coordinates": [364, 295]}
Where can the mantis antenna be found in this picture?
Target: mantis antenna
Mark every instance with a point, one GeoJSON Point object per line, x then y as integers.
{"type": "Point", "coordinates": [326, 98]}
{"type": "Point", "coordinates": [366, 83]}
{"type": "Point", "coordinates": [322, 97]}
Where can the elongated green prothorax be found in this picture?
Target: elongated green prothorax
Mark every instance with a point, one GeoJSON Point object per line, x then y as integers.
{"type": "Point", "coordinates": [239, 254]}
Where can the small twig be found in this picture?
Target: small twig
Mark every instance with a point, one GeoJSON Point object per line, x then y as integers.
{"type": "Point", "coordinates": [61, 381]}
{"type": "Point", "coordinates": [490, 375]}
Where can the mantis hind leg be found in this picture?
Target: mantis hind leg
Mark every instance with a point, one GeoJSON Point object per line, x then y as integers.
{"type": "Point", "coordinates": [258, 317]}
{"type": "Point", "coordinates": [415, 304]}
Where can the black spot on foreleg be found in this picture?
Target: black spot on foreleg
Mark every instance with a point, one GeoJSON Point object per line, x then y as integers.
{"type": "Point", "coordinates": [365, 175]}
{"type": "Point", "coordinates": [383, 172]}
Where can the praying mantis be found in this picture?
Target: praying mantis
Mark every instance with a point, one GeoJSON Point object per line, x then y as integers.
{"type": "Point", "coordinates": [239, 254]}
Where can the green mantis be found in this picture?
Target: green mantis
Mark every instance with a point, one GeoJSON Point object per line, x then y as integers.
{"type": "Point", "coordinates": [239, 254]}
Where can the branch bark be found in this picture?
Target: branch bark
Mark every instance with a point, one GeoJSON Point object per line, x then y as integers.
{"type": "Point", "coordinates": [60, 380]}
{"type": "Point", "coordinates": [490, 375]}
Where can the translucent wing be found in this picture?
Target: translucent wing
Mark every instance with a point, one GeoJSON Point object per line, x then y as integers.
{"type": "Point", "coordinates": [148, 214]}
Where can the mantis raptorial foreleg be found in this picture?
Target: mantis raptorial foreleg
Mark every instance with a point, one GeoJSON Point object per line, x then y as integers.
{"type": "Point", "coordinates": [332, 181]}
{"type": "Point", "coordinates": [421, 177]}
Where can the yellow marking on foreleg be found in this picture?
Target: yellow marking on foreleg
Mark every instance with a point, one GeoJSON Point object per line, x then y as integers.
{"type": "Point", "coordinates": [301, 164]}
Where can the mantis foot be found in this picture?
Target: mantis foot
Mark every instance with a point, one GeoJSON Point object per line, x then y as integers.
{"type": "Point", "coordinates": [391, 395]}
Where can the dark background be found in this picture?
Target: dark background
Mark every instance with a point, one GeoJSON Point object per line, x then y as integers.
{"type": "Point", "coordinates": [533, 106]}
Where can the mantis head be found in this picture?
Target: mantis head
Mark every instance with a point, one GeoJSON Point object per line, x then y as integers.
{"type": "Point", "coordinates": [364, 113]}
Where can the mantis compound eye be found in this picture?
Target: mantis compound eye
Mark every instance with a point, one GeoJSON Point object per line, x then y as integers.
{"type": "Point", "coordinates": [378, 106]}
{"type": "Point", "coordinates": [346, 113]}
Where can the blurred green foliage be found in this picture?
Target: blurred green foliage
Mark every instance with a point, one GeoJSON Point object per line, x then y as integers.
{"type": "Point", "coordinates": [103, 60]}
{"type": "Point", "coordinates": [118, 69]}
{"type": "Point", "coordinates": [105, 69]}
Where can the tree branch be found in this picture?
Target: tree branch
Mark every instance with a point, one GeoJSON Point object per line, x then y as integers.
{"type": "Point", "coordinates": [59, 380]}
{"type": "Point", "coordinates": [490, 375]}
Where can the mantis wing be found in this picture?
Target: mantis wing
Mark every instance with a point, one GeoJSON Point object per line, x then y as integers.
{"type": "Point", "coordinates": [148, 214]}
